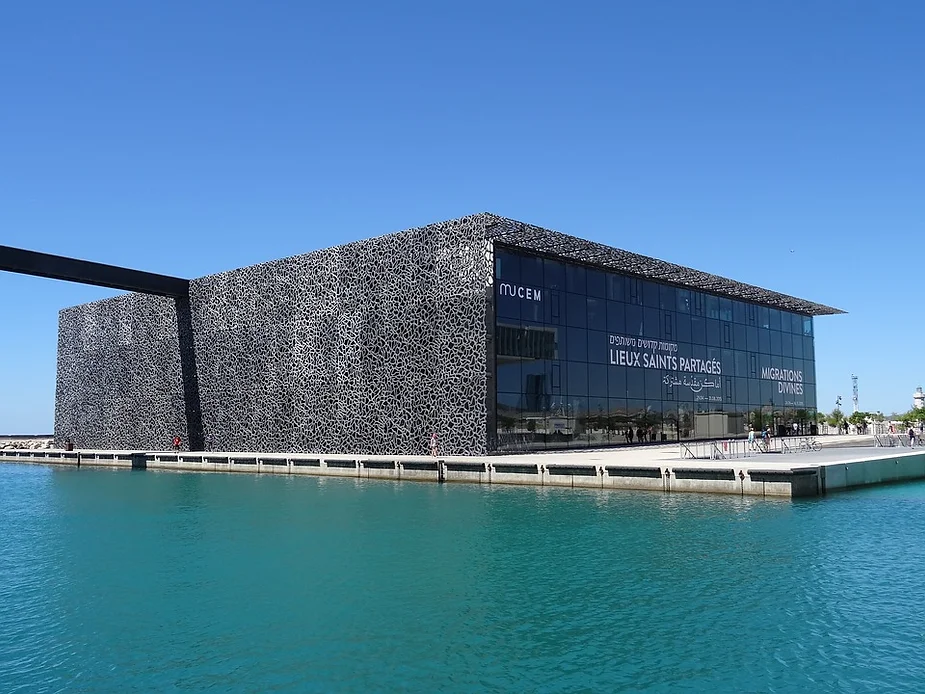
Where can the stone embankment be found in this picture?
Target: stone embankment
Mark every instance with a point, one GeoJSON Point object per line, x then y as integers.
{"type": "Point", "coordinates": [24, 443]}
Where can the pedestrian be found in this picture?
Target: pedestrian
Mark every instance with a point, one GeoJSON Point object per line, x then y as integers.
{"type": "Point", "coordinates": [629, 435]}
{"type": "Point", "coordinates": [911, 437]}
{"type": "Point", "coordinates": [751, 438]}
{"type": "Point", "coordinates": [433, 444]}
{"type": "Point", "coordinates": [176, 443]}
{"type": "Point", "coordinates": [766, 439]}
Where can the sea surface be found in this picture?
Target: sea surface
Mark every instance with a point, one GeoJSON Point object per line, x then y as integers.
{"type": "Point", "coordinates": [141, 581]}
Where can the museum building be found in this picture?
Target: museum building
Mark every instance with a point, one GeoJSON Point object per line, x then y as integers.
{"type": "Point", "coordinates": [494, 334]}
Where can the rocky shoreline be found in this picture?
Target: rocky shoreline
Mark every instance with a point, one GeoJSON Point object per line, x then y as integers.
{"type": "Point", "coordinates": [26, 442]}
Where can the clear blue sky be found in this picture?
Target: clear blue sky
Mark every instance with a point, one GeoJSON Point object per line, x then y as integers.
{"type": "Point", "coordinates": [188, 138]}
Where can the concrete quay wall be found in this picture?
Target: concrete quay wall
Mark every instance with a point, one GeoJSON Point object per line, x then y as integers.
{"type": "Point", "coordinates": [675, 476]}
{"type": "Point", "coordinates": [851, 474]}
{"type": "Point", "coordinates": [652, 477]}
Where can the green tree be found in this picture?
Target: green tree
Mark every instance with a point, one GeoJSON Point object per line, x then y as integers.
{"type": "Point", "coordinates": [913, 415]}
{"type": "Point", "coordinates": [835, 418]}
{"type": "Point", "coordinates": [858, 418]}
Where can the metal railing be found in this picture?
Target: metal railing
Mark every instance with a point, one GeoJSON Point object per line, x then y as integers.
{"type": "Point", "coordinates": [727, 449]}
{"type": "Point", "coordinates": [894, 440]}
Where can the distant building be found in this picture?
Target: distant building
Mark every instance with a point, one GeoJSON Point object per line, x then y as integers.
{"type": "Point", "coordinates": [918, 399]}
{"type": "Point", "coordinates": [495, 334]}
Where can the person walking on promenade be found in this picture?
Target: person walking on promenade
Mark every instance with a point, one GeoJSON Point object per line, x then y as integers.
{"type": "Point", "coordinates": [176, 443]}
{"type": "Point", "coordinates": [751, 438]}
{"type": "Point", "coordinates": [629, 435]}
{"type": "Point", "coordinates": [911, 437]}
{"type": "Point", "coordinates": [433, 444]}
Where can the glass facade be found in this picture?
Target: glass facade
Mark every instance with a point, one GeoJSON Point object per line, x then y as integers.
{"type": "Point", "coordinates": [586, 357]}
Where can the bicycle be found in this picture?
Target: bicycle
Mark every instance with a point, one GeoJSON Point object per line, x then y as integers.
{"type": "Point", "coordinates": [808, 444]}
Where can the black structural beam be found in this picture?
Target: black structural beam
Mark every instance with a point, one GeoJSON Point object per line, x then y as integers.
{"type": "Point", "coordinates": [87, 272]}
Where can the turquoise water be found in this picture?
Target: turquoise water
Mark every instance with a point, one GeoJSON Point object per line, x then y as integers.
{"type": "Point", "coordinates": [118, 581]}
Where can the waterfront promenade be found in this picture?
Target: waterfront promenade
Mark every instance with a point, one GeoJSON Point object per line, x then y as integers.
{"type": "Point", "coordinates": [843, 463]}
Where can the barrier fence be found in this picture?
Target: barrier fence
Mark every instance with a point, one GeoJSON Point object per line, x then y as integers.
{"type": "Point", "coordinates": [727, 449]}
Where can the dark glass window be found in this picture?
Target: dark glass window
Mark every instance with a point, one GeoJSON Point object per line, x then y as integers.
{"type": "Point", "coordinates": [598, 346]}
{"type": "Point", "coordinates": [596, 284]}
{"type": "Point", "coordinates": [668, 298]}
{"type": "Point", "coordinates": [738, 336]}
{"type": "Point", "coordinates": [508, 376]}
{"type": "Point", "coordinates": [577, 311]}
{"type": "Point", "coordinates": [531, 271]}
{"type": "Point", "coordinates": [698, 303]}
{"type": "Point", "coordinates": [635, 382]}
{"type": "Point", "coordinates": [616, 320]}
{"type": "Point", "coordinates": [652, 324]}
{"type": "Point", "coordinates": [577, 378]}
{"type": "Point", "coordinates": [698, 330]}
{"type": "Point", "coordinates": [633, 291]}
{"type": "Point", "coordinates": [532, 311]}
{"type": "Point", "coordinates": [713, 333]}
{"type": "Point", "coordinates": [597, 313]}
{"type": "Point", "coordinates": [576, 279]}
{"type": "Point", "coordinates": [553, 275]}
{"type": "Point", "coordinates": [786, 344]}
{"type": "Point", "coordinates": [577, 348]}
{"type": "Point", "coordinates": [546, 371]}
{"type": "Point", "coordinates": [775, 319]}
{"type": "Point", "coordinates": [597, 380]}
{"type": "Point", "coordinates": [764, 317]}
{"type": "Point", "coordinates": [754, 392]}
{"type": "Point", "coordinates": [616, 381]}
{"type": "Point", "coordinates": [764, 341]}
{"type": "Point", "coordinates": [739, 314]}
{"type": "Point", "coordinates": [741, 365]}
{"type": "Point", "coordinates": [683, 325]}
{"type": "Point", "coordinates": [751, 339]}
{"type": "Point", "coordinates": [537, 387]}
{"type": "Point", "coordinates": [554, 307]}
{"type": "Point", "coordinates": [507, 267]}
{"type": "Point", "coordinates": [776, 343]}
{"type": "Point", "coordinates": [654, 384]}
{"type": "Point", "coordinates": [506, 306]}
{"type": "Point", "coordinates": [616, 285]}
{"type": "Point", "coordinates": [634, 320]}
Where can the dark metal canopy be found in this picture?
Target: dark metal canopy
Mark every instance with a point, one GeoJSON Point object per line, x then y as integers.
{"type": "Point", "coordinates": [87, 272]}
{"type": "Point", "coordinates": [544, 241]}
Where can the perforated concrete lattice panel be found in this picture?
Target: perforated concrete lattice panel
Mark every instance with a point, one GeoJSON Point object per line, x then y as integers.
{"type": "Point", "coordinates": [365, 348]}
